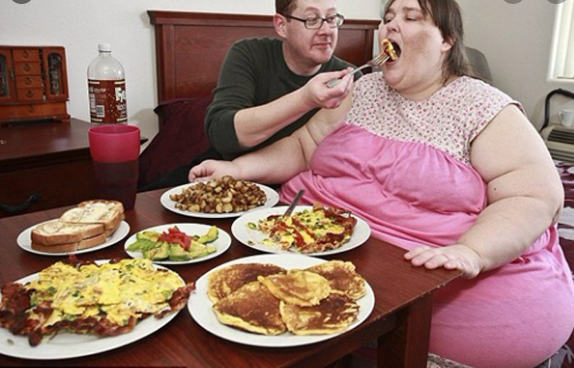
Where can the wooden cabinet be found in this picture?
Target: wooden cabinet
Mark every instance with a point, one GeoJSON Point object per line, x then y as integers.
{"type": "Point", "coordinates": [44, 166]}
{"type": "Point", "coordinates": [33, 83]}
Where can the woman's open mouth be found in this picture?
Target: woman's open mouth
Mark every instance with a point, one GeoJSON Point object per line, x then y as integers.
{"type": "Point", "coordinates": [391, 49]}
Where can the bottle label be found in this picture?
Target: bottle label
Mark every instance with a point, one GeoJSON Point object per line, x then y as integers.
{"type": "Point", "coordinates": [108, 103]}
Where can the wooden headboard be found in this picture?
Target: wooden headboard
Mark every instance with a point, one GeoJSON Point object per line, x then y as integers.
{"type": "Point", "coordinates": [190, 47]}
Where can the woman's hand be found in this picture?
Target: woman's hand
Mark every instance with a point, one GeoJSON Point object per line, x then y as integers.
{"type": "Point", "coordinates": [457, 256]}
{"type": "Point", "coordinates": [214, 169]}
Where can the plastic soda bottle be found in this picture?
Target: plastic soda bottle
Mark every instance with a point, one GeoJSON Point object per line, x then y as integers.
{"type": "Point", "coordinates": [107, 88]}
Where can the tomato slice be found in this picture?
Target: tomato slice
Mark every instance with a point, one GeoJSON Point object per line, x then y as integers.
{"type": "Point", "coordinates": [174, 235]}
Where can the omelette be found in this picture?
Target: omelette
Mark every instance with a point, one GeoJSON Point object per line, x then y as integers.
{"type": "Point", "coordinates": [309, 231]}
{"type": "Point", "coordinates": [106, 300]}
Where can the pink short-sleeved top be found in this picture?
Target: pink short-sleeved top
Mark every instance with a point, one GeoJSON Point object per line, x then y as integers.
{"type": "Point", "coordinates": [404, 166]}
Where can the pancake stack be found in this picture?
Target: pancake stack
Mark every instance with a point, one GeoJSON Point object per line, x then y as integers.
{"type": "Point", "coordinates": [266, 299]}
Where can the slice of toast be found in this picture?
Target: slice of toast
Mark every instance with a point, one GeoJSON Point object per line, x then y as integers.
{"type": "Point", "coordinates": [72, 246]}
{"type": "Point", "coordinates": [59, 232]}
{"type": "Point", "coordinates": [106, 212]}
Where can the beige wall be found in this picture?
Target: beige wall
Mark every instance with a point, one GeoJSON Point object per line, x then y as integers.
{"type": "Point", "coordinates": [516, 40]}
{"type": "Point", "coordinates": [79, 25]}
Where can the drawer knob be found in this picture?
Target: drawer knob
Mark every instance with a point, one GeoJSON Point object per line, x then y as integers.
{"type": "Point", "coordinates": [35, 197]}
{"type": "Point", "coordinates": [27, 67]}
{"type": "Point", "coordinates": [29, 94]}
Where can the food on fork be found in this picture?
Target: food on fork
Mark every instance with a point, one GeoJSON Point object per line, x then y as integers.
{"type": "Point", "coordinates": [389, 49]}
{"type": "Point", "coordinates": [224, 195]}
{"type": "Point", "coordinates": [299, 301]}
{"type": "Point", "coordinates": [105, 299]}
{"type": "Point", "coordinates": [87, 225]}
{"type": "Point", "coordinates": [308, 231]}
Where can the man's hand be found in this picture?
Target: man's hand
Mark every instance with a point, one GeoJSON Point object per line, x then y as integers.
{"type": "Point", "coordinates": [317, 94]}
{"type": "Point", "coordinates": [214, 169]}
{"type": "Point", "coordinates": [457, 256]}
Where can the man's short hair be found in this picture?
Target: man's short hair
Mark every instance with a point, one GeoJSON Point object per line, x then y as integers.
{"type": "Point", "coordinates": [285, 7]}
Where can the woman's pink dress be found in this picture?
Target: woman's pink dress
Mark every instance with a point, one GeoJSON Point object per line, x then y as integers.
{"type": "Point", "coordinates": [404, 167]}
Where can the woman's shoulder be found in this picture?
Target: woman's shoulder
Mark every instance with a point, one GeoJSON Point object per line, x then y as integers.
{"type": "Point", "coordinates": [474, 90]}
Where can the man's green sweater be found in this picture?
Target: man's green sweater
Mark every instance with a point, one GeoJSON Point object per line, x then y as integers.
{"type": "Point", "coordinates": [254, 73]}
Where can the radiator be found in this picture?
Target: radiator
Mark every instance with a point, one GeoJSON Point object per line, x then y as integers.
{"type": "Point", "coordinates": [560, 142]}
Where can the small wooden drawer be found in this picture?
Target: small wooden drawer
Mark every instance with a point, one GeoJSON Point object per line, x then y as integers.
{"type": "Point", "coordinates": [27, 55]}
{"type": "Point", "coordinates": [27, 68]}
{"type": "Point", "coordinates": [35, 84]}
{"type": "Point", "coordinates": [30, 94]}
{"type": "Point", "coordinates": [29, 111]}
{"type": "Point", "coordinates": [29, 81]}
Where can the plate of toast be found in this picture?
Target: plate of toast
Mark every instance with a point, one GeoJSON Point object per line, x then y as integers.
{"type": "Point", "coordinates": [90, 226]}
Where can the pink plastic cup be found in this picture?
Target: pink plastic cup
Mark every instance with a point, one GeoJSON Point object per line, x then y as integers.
{"type": "Point", "coordinates": [115, 151]}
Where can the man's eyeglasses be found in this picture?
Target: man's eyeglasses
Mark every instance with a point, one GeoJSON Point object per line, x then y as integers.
{"type": "Point", "coordinates": [333, 21]}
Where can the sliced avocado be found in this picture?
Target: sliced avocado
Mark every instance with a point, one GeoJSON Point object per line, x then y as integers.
{"type": "Point", "coordinates": [205, 251]}
{"type": "Point", "coordinates": [177, 253]}
{"type": "Point", "coordinates": [135, 246]}
{"type": "Point", "coordinates": [210, 236]}
{"type": "Point", "coordinates": [141, 245]}
{"type": "Point", "coordinates": [161, 251]}
{"type": "Point", "coordinates": [197, 250]}
{"type": "Point", "coordinates": [149, 235]}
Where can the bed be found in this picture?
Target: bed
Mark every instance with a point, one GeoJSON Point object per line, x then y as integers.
{"type": "Point", "coordinates": [189, 49]}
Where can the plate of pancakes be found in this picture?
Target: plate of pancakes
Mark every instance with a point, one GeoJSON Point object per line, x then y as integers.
{"type": "Point", "coordinates": [253, 300]}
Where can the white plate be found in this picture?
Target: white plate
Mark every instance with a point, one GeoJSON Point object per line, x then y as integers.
{"type": "Point", "coordinates": [222, 243]}
{"type": "Point", "coordinates": [254, 238]}
{"type": "Point", "coordinates": [67, 345]}
{"type": "Point", "coordinates": [272, 199]}
{"type": "Point", "coordinates": [199, 306]}
{"type": "Point", "coordinates": [25, 242]}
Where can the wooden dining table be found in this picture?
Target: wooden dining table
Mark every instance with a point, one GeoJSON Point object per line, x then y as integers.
{"type": "Point", "coordinates": [399, 322]}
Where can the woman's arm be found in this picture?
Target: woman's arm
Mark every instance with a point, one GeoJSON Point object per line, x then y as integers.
{"type": "Point", "coordinates": [525, 197]}
{"type": "Point", "coordinates": [283, 159]}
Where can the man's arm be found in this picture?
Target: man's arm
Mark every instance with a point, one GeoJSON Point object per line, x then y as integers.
{"type": "Point", "coordinates": [238, 120]}
{"type": "Point", "coordinates": [256, 124]}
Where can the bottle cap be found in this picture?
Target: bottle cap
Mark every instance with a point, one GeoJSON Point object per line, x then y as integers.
{"type": "Point", "coordinates": [106, 47]}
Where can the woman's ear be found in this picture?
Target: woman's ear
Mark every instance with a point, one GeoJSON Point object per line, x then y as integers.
{"type": "Point", "coordinates": [279, 22]}
{"type": "Point", "coordinates": [447, 44]}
